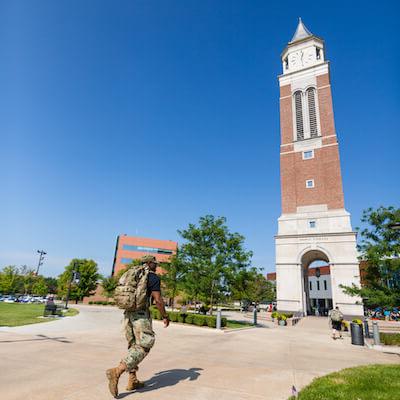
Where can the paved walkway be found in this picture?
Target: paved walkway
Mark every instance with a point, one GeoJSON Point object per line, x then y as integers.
{"type": "Point", "coordinates": [66, 359]}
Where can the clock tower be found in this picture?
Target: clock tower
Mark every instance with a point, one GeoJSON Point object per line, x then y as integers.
{"type": "Point", "coordinates": [314, 225]}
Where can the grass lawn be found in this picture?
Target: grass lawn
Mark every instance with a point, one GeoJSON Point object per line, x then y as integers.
{"type": "Point", "coordinates": [372, 382]}
{"type": "Point", "coordinates": [16, 314]}
{"type": "Point", "coordinates": [237, 324]}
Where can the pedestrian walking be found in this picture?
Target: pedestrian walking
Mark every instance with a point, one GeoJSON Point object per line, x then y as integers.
{"type": "Point", "coordinates": [135, 289]}
{"type": "Point", "coordinates": [336, 319]}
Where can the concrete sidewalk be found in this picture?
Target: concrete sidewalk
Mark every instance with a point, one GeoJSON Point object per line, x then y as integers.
{"type": "Point", "coordinates": [67, 359]}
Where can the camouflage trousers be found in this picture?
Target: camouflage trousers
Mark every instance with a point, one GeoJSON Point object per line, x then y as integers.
{"type": "Point", "coordinates": [140, 336]}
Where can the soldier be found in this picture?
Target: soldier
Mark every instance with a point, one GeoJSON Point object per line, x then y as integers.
{"type": "Point", "coordinates": [139, 332]}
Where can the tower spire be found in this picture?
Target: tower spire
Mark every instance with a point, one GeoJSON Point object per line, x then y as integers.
{"type": "Point", "coordinates": [301, 32]}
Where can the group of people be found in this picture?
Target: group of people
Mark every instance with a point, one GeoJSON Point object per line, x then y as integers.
{"type": "Point", "coordinates": [388, 314]}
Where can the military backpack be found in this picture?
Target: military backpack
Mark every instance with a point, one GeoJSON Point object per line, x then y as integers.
{"type": "Point", "coordinates": [131, 291]}
{"type": "Point", "coordinates": [336, 316]}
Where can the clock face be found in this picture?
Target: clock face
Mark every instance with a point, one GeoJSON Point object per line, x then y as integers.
{"type": "Point", "coordinates": [301, 58]}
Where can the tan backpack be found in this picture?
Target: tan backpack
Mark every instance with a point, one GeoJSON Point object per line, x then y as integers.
{"type": "Point", "coordinates": [131, 292]}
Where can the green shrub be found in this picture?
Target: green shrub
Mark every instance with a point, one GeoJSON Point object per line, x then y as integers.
{"type": "Point", "coordinates": [390, 339]}
{"type": "Point", "coordinates": [90, 302]}
{"type": "Point", "coordinates": [224, 321]}
{"type": "Point", "coordinates": [288, 315]}
{"type": "Point", "coordinates": [181, 317]}
{"type": "Point", "coordinates": [211, 322]}
{"type": "Point", "coordinates": [155, 313]}
{"type": "Point", "coordinates": [274, 314]}
{"type": "Point", "coordinates": [173, 316]}
{"type": "Point", "coordinates": [189, 318]}
{"type": "Point", "coordinates": [199, 320]}
{"type": "Point", "coordinates": [357, 321]}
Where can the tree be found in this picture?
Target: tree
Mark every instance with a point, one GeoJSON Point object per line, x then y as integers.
{"type": "Point", "coordinates": [28, 278]}
{"type": "Point", "coordinates": [173, 273]}
{"type": "Point", "coordinates": [10, 280]}
{"type": "Point", "coordinates": [88, 278]}
{"type": "Point", "coordinates": [252, 285]}
{"type": "Point", "coordinates": [39, 286]}
{"type": "Point", "coordinates": [261, 289]}
{"type": "Point", "coordinates": [51, 284]}
{"type": "Point", "coordinates": [380, 248]}
{"type": "Point", "coordinates": [109, 285]}
{"type": "Point", "coordinates": [212, 256]}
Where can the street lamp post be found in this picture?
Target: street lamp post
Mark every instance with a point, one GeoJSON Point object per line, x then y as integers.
{"type": "Point", "coordinates": [74, 277]}
{"type": "Point", "coordinates": [395, 226]}
{"type": "Point", "coordinates": [42, 253]}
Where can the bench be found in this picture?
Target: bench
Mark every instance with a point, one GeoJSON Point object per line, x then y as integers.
{"type": "Point", "coordinates": [53, 309]}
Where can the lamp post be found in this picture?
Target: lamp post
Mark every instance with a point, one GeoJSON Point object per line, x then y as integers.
{"type": "Point", "coordinates": [42, 253]}
{"type": "Point", "coordinates": [74, 277]}
{"type": "Point", "coordinates": [395, 226]}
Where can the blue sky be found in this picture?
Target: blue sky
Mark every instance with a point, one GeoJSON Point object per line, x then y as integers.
{"type": "Point", "coordinates": [139, 117]}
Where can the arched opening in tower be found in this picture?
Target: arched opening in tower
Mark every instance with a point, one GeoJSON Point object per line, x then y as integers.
{"type": "Point", "coordinates": [317, 285]}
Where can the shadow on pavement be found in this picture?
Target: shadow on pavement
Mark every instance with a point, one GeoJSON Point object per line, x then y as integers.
{"type": "Point", "coordinates": [167, 378]}
{"type": "Point", "coordinates": [39, 337]}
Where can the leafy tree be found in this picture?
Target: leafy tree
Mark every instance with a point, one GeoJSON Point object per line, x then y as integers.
{"type": "Point", "coordinates": [172, 276]}
{"type": "Point", "coordinates": [380, 248]}
{"type": "Point", "coordinates": [51, 284]}
{"type": "Point", "coordinates": [212, 256]}
{"type": "Point", "coordinates": [109, 285]}
{"type": "Point", "coordinates": [39, 286]}
{"type": "Point", "coordinates": [10, 280]}
{"type": "Point", "coordinates": [88, 278]}
{"type": "Point", "coordinates": [252, 285]}
{"type": "Point", "coordinates": [261, 289]}
{"type": "Point", "coordinates": [28, 278]}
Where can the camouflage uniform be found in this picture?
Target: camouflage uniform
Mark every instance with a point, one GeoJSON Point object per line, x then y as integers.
{"type": "Point", "coordinates": [140, 336]}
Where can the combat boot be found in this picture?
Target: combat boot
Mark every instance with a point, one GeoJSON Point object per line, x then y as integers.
{"type": "Point", "coordinates": [113, 375]}
{"type": "Point", "coordinates": [133, 381]}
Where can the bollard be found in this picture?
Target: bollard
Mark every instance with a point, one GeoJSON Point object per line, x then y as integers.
{"type": "Point", "coordinates": [366, 329]}
{"type": "Point", "coordinates": [375, 329]}
{"type": "Point", "coordinates": [255, 316]}
{"type": "Point", "coordinates": [219, 318]}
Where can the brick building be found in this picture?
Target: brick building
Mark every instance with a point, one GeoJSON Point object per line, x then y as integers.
{"type": "Point", "coordinates": [129, 248]}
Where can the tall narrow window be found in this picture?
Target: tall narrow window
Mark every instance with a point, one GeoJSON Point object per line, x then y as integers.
{"type": "Point", "coordinates": [312, 112]}
{"type": "Point", "coordinates": [299, 115]}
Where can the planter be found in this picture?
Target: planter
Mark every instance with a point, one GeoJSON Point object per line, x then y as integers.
{"type": "Point", "coordinates": [282, 322]}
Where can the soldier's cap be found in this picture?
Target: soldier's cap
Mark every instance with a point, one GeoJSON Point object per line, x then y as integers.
{"type": "Point", "coordinates": [148, 259]}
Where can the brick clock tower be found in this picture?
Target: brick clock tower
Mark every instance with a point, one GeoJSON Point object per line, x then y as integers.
{"type": "Point", "coordinates": [314, 225]}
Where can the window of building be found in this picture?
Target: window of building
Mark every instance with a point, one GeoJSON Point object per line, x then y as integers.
{"type": "Point", "coordinates": [318, 53]}
{"type": "Point", "coordinates": [308, 154]}
{"type": "Point", "coordinates": [286, 61]}
{"type": "Point", "coordinates": [312, 224]}
{"type": "Point", "coordinates": [309, 183]}
{"type": "Point", "coordinates": [312, 112]}
{"type": "Point", "coordinates": [298, 105]}
{"type": "Point", "coordinates": [126, 260]}
{"type": "Point", "coordinates": [325, 285]}
{"type": "Point", "coordinates": [317, 285]}
{"type": "Point", "coordinates": [310, 285]}
{"type": "Point", "coordinates": [146, 249]}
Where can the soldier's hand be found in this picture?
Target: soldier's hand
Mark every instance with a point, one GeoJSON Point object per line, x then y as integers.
{"type": "Point", "coordinates": [166, 322]}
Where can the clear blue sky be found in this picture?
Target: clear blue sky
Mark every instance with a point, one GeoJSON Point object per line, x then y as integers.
{"type": "Point", "coordinates": [139, 117]}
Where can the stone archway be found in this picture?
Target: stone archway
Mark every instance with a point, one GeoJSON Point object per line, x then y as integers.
{"type": "Point", "coordinates": [316, 292]}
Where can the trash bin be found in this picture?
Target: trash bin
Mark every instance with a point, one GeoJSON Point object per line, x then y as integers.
{"type": "Point", "coordinates": [357, 336]}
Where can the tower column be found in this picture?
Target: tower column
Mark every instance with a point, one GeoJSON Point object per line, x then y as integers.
{"type": "Point", "coordinates": [314, 224]}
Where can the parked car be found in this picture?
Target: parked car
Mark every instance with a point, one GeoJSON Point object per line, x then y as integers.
{"type": "Point", "coordinates": [10, 299]}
